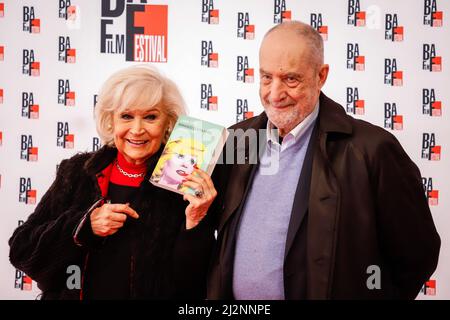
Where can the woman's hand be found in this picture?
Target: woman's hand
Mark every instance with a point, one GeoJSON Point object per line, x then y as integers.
{"type": "Point", "coordinates": [109, 218]}
{"type": "Point", "coordinates": [199, 204]}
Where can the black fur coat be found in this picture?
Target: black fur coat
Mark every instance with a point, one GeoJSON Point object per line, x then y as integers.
{"type": "Point", "coordinates": [170, 261]}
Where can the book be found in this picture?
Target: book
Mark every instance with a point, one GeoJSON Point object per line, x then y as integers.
{"type": "Point", "coordinates": [192, 143]}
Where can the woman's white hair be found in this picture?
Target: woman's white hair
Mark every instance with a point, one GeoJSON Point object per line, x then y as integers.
{"type": "Point", "coordinates": [136, 87]}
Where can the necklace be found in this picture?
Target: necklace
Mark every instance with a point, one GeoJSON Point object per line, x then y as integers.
{"type": "Point", "coordinates": [129, 175]}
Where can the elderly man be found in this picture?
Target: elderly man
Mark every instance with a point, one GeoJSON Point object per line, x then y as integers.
{"type": "Point", "coordinates": [344, 216]}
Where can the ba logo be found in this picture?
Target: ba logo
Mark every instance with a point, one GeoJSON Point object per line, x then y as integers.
{"type": "Point", "coordinates": [356, 17]}
{"type": "Point", "coordinates": [30, 110]}
{"type": "Point", "coordinates": [2, 9]}
{"type": "Point", "coordinates": [431, 62]}
{"type": "Point", "coordinates": [95, 100]}
{"type": "Point", "coordinates": [27, 195]}
{"type": "Point", "coordinates": [67, 11]}
{"type": "Point", "coordinates": [1, 95]}
{"type": "Point", "coordinates": [430, 150]}
{"type": "Point", "coordinates": [1, 138]}
{"type": "Point", "coordinates": [30, 23]}
{"type": "Point", "coordinates": [207, 100]}
{"type": "Point", "coordinates": [431, 194]}
{"type": "Point", "coordinates": [27, 151]}
{"type": "Point", "coordinates": [355, 61]}
{"type": "Point", "coordinates": [245, 30]}
{"type": "Point", "coordinates": [2, 53]}
{"type": "Point", "coordinates": [393, 31]}
{"type": "Point", "coordinates": [209, 14]}
{"type": "Point", "coordinates": [63, 138]}
{"type": "Point", "coordinates": [431, 16]}
{"type": "Point", "coordinates": [430, 105]}
{"type": "Point", "coordinates": [392, 76]}
{"type": "Point", "coordinates": [316, 23]}
{"type": "Point", "coordinates": [96, 144]}
{"type": "Point", "coordinates": [354, 104]}
{"type": "Point", "coordinates": [22, 281]}
{"type": "Point", "coordinates": [392, 120]}
{"type": "Point", "coordinates": [65, 96]}
{"type": "Point", "coordinates": [65, 52]}
{"type": "Point", "coordinates": [429, 288]}
{"type": "Point", "coordinates": [146, 31]}
{"type": "Point", "coordinates": [209, 58]}
{"type": "Point", "coordinates": [243, 72]}
{"type": "Point", "coordinates": [280, 13]}
{"type": "Point", "coordinates": [242, 112]}
{"type": "Point", "coordinates": [30, 66]}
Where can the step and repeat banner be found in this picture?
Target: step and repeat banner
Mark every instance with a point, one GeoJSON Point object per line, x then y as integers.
{"type": "Point", "coordinates": [388, 65]}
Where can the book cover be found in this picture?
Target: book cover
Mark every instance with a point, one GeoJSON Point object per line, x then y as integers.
{"type": "Point", "coordinates": [193, 142]}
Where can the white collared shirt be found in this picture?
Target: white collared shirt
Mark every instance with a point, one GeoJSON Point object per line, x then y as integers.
{"type": "Point", "coordinates": [288, 140]}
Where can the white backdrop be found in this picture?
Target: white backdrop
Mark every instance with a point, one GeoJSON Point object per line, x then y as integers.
{"type": "Point", "coordinates": [51, 68]}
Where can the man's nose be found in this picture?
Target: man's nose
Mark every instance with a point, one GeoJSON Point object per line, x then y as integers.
{"type": "Point", "coordinates": [277, 92]}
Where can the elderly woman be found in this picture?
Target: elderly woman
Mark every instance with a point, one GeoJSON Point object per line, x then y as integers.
{"type": "Point", "coordinates": [128, 238]}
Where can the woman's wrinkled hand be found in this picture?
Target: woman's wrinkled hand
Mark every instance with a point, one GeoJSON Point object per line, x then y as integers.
{"type": "Point", "coordinates": [109, 218]}
{"type": "Point", "coordinates": [199, 204]}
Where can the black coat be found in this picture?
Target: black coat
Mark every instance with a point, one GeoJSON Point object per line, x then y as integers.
{"type": "Point", "coordinates": [170, 261]}
{"type": "Point", "coordinates": [366, 206]}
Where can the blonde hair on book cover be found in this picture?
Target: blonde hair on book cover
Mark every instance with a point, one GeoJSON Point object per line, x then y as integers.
{"type": "Point", "coordinates": [183, 146]}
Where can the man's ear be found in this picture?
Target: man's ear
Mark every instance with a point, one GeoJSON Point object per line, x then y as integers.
{"type": "Point", "coordinates": [323, 74]}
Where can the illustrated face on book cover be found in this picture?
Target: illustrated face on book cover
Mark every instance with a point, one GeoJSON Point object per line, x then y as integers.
{"type": "Point", "coordinates": [178, 161]}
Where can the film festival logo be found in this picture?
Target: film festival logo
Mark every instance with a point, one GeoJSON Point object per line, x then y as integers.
{"type": "Point", "coordinates": [431, 106]}
{"type": "Point", "coordinates": [146, 31]}
{"type": "Point", "coordinates": [430, 151]}
{"type": "Point", "coordinates": [245, 30]}
{"type": "Point", "coordinates": [66, 53]}
{"type": "Point", "coordinates": [431, 62]}
{"type": "Point", "coordinates": [27, 151]}
{"type": "Point", "coordinates": [1, 138]}
{"type": "Point", "coordinates": [208, 100]}
{"type": "Point", "coordinates": [431, 193]}
{"type": "Point", "coordinates": [2, 53]}
{"type": "Point", "coordinates": [280, 13]}
{"type": "Point", "coordinates": [316, 22]}
{"type": "Point", "coordinates": [431, 16]}
{"type": "Point", "coordinates": [209, 58]}
{"type": "Point", "coordinates": [429, 288]}
{"type": "Point", "coordinates": [354, 104]}
{"type": "Point", "coordinates": [64, 138]}
{"type": "Point", "coordinates": [356, 17]}
{"type": "Point", "coordinates": [393, 31]}
{"type": "Point", "coordinates": [2, 9]}
{"type": "Point", "coordinates": [30, 23]}
{"type": "Point", "coordinates": [21, 280]}
{"type": "Point", "coordinates": [1, 96]}
{"type": "Point", "coordinates": [66, 11]}
{"type": "Point", "coordinates": [243, 72]}
{"type": "Point", "coordinates": [65, 96]}
{"type": "Point", "coordinates": [242, 112]}
{"type": "Point", "coordinates": [392, 120]}
{"type": "Point", "coordinates": [27, 194]}
{"type": "Point", "coordinates": [355, 61]}
{"type": "Point", "coordinates": [30, 66]}
{"type": "Point", "coordinates": [209, 14]}
{"type": "Point", "coordinates": [392, 76]}
{"type": "Point", "coordinates": [30, 109]}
